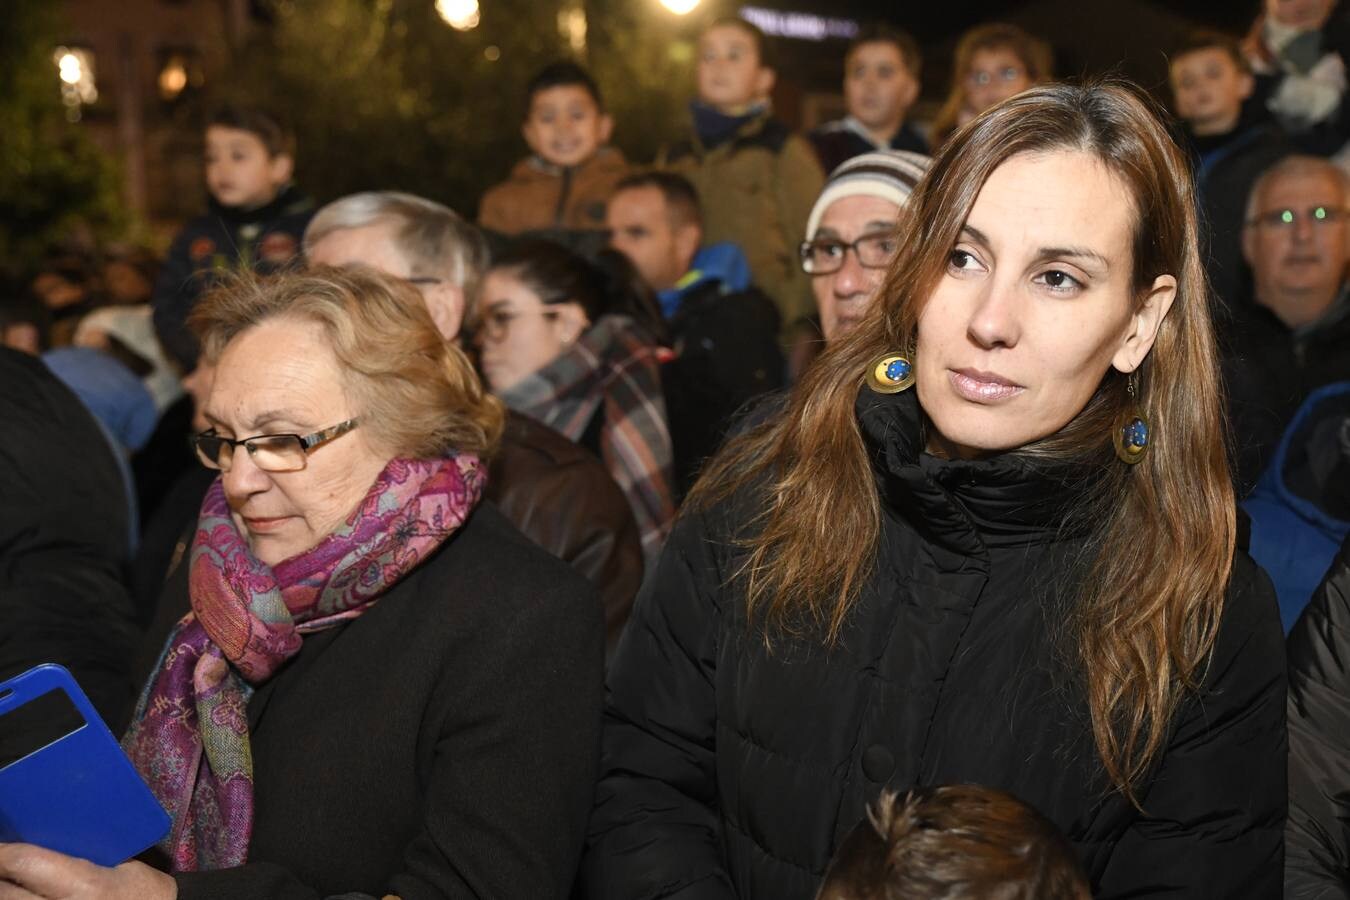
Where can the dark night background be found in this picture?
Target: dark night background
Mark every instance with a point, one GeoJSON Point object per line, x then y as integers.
{"type": "Point", "coordinates": [384, 94]}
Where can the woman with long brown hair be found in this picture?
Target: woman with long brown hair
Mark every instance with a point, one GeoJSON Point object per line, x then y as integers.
{"type": "Point", "coordinates": [989, 538]}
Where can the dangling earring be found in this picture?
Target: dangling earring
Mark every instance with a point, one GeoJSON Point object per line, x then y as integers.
{"type": "Point", "coordinates": [892, 373]}
{"type": "Point", "coordinates": [1132, 434]}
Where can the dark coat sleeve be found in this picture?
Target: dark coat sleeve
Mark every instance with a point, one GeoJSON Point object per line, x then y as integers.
{"type": "Point", "coordinates": [1213, 823]}
{"type": "Point", "coordinates": [63, 539]}
{"type": "Point", "coordinates": [1317, 864]}
{"type": "Point", "coordinates": [655, 829]}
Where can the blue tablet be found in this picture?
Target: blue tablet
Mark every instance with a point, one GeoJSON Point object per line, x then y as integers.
{"type": "Point", "coordinates": [65, 784]}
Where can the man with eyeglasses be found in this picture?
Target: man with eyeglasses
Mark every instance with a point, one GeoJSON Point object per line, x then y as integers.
{"type": "Point", "coordinates": [554, 491]}
{"type": "Point", "coordinates": [851, 233]}
{"type": "Point", "coordinates": [1296, 338]}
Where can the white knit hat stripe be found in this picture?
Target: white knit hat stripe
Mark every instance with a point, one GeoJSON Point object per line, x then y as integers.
{"type": "Point", "coordinates": [887, 174]}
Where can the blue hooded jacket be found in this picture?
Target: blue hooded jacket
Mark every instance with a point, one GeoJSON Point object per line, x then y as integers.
{"type": "Point", "coordinates": [723, 261]}
{"type": "Point", "coordinates": [1293, 538]}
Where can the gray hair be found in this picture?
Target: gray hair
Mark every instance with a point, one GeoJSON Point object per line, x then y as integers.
{"type": "Point", "coordinates": [1295, 165]}
{"type": "Point", "coordinates": [434, 239]}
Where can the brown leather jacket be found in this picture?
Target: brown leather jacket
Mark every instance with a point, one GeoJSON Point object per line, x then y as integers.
{"type": "Point", "coordinates": [541, 196]}
{"type": "Point", "coordinates": [563, 499]}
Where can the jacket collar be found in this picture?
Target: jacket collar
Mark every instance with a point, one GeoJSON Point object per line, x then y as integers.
{"type": "Point", "coordinates": [713, 128]}
{"type": "Point", "coordinates": [1008, 499]}
{"type": "Point", "coordinates": [288, 201]}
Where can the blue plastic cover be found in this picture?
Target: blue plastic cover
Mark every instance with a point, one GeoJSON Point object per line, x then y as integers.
{"type": "Point", "coordinates": [65, 784]}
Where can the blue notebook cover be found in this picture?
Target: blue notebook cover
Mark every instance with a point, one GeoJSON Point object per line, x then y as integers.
{"type": "Point", "coordinates": [65, 784]}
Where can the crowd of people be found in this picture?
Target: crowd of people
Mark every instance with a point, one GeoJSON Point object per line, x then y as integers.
{"type": "Point", "coordinates": [899, 509]}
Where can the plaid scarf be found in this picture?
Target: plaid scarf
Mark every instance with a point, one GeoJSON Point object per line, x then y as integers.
{"type": "Point", "coordinates": [189, 736]}
{"type": "Point", "coordinates": [615, 365]}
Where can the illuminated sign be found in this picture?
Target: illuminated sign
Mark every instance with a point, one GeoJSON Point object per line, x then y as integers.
{"type": "Point", "coordinates": [803, 26]}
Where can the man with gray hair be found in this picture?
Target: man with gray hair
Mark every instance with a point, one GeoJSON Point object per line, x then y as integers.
{"type": "Point", "coordinates": [1296, 238]}
{"type": "Point", "coordinates": [553, 490]}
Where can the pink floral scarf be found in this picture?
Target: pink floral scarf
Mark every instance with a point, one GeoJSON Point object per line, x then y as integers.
{"type": "Point", "coordinates": [189, 735]}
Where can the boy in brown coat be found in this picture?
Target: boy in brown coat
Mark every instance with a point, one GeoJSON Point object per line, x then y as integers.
{"type": "Point", "coordinates": [566, 182]}
{"type": "Point", "coordinates": [756, 180]}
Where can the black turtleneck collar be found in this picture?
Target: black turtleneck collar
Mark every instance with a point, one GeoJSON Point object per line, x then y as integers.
{"type": "Point", "coordinates": [287, 201]}
{"type": "Point", "coordinates": [1003, 500]}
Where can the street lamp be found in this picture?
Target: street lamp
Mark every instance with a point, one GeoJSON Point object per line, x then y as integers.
{"type": "Point", "coordinates": [462, 15]}
{"type": "Point", "coordinates": [75, 68]}
{"type": "Point", "coordinates": [680, 7]}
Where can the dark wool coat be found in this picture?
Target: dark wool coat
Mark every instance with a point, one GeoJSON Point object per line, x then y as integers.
{"type": "Point", "coordinates": [1318, 866]}
{"type": "Point", "coordinates": [732, 772]}
{"type": "Point", "coordinates": [442, 745]}
{"type": "Point", "coordinates": [63, 539]}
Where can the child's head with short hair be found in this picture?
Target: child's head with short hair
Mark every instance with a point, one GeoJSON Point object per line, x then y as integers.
{"type": "Point", "coordinates": [881, 76]}
{"type": "Point", "coordinates": [565, 119]}
{"type": "Point", "coordinates": [734, 72]}
{"type": "Point", "coordinates": [1210, 80]}
{"type": "Point", "coordinates": [957, 842]}
{"type": "Point", "coordinates": [250, 157]}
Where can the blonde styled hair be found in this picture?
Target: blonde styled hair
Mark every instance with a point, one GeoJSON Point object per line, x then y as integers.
{"type": "Point", "coordinates": [417, 394]}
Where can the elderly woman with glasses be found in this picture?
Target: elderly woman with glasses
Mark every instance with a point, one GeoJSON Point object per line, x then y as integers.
{"type": "Point", "coordinates": [381, 687]}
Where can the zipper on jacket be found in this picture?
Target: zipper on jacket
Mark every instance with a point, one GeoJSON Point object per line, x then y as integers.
{"type": "Point", "coordinates": [562, 196]}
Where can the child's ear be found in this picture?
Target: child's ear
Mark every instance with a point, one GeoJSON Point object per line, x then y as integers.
{"type": "Point", "coordinates": [1248, 85]}
{"type": "Point", "coordinates": [911, 93]}
{"type": "Point", "coordinates": [281, 168]}
{"type": "Point", "coordinates": [606, 127]}
{"type": "Point", "coordinates": [764, 81]}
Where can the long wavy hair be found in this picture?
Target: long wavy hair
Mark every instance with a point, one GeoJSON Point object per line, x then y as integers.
{"type": "Point", "coordinates": [1145, 609]}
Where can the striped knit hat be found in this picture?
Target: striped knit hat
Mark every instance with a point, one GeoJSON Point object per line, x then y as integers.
{"type": "Point", "coordinates": [888, 174]}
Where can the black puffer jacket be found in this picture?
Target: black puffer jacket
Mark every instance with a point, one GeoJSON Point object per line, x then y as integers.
{"type": "Point", "coordinates": [1318, 866]}
{"type": "Point", "coordinates": [731, 772]}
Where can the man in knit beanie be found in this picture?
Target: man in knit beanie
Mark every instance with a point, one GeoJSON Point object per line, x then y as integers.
{"type": "Point", "coordinates": [851, 233]}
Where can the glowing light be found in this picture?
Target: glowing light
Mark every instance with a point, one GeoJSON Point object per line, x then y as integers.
{"type": "Point", "coordinates": [75, 68]}
{"type": "Point", "coordinates": [70, 67]}
{"type": "Point", "coordinates": [492, 53]}
{"type": "Point", "coordinates": [173, 78]}
{"type": "Point", "coordinates": [680, 7]}
{"type": "Point", "coordinates": [572, 26]}
{"type": "Point", "coordinates": [461, 15]}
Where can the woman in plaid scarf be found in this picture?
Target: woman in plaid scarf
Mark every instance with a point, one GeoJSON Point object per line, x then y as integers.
{"type": "Point", "coordinates": [574, 345]}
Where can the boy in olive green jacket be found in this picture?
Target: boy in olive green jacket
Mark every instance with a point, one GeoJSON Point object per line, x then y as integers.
{"type": "Point", "coordinates": [756, 180]}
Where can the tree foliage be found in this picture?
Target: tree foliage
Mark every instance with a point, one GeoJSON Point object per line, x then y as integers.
{"type": "Point", "coordinates": [54, 181]}
{"type": "Point", "coordinates": [383, 94]}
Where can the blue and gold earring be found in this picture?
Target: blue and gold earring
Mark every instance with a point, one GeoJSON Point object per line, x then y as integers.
{"type": "Point", "coordinates": [1132, 433]}
{"type": "Point", "coordinates": [891, 373]}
